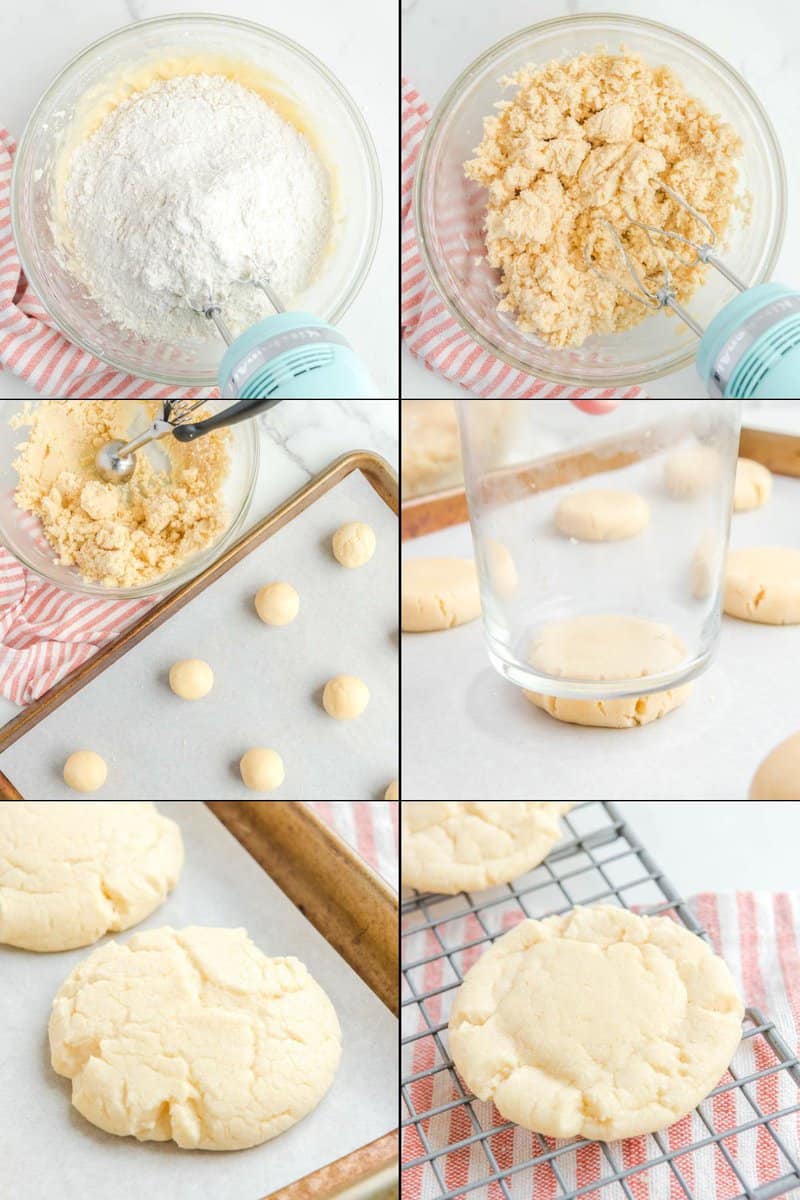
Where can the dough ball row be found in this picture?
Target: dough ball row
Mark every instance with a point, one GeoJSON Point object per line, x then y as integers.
{"type": "Point", "coordinates": [344, 698]}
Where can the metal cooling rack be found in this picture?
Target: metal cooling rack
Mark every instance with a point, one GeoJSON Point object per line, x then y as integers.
{"type": "Point", "coordinates": [600, 862]}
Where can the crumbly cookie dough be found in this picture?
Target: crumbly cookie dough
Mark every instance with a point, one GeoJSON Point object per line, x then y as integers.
{"type": "Point", "coordinates": [599, 1024]}
{"type": "Point", "coordinates": [763, 585]}
{"type": "Point", "coordinates": [608, 647]}
{"type": "Point", "coordinates": [753, 485]}
{"type": "Point", "coordinates": [581, 142]}
{"type": "Point", "coordinates": [118, 536]}
{"type": "Point", "coordinates": [602, 515]}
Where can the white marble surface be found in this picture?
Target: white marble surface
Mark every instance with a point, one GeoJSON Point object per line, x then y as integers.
{"type": "Point", "coordinates": [300, 438]}
{"type": "Point", "coordinates": [40, 37]}
{"type": "Point", "coordinates": [438, 43]}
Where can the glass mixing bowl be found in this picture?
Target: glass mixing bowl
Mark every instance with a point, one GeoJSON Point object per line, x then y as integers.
{"type": "Point", "coordinates": [449, 209]}
{"type": "Point", "coordinates": [21, 533]}
{"type": "Point", "coordinates": [298, 79]}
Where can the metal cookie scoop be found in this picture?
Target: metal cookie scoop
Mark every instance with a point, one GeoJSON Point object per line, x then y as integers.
{"type": "Point", "coordinates": [116, 462]}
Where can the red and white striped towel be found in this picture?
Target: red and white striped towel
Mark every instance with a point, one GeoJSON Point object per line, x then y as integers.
{"type": "Point", "coordinates": [758, 934]}
{"type": "Point", "coordinates": [46, 633]}
{"type": "Point", "coordinates": [34, 349]}
{"type": "Point", "coordinates": [429, 331]}
{"type": "Point", "coordinates": [370, 827]}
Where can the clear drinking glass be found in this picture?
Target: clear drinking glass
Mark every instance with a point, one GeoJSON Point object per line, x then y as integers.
{"type": "Point", "coordinates": [523, 457]}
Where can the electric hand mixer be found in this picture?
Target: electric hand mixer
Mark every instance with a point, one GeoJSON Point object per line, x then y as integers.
{"type": "Point", "coordinates": [288, 355]}
{"type": "Point", "coordinates": [751, 349]}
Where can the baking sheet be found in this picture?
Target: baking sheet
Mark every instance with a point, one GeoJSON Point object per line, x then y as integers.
{"type": "Point", "coordinates": [469, 734]}
{"type": "Point", "coordinates": [50, 1150]}
{"type": "Point", "coordinates": [268, 685]}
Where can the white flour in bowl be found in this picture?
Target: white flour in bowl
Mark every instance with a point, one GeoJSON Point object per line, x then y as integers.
{"type": "Point", "coordinates": [184, 189]}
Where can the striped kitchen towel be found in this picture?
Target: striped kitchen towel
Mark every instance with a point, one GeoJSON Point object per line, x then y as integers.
{"type": "Point", "coordinates": [30, 344]}
{"type": "Point", "coordinates": [429, 332]}
{"type": "Point", "coordinates": [758, 934]}
{"type": "Point", "coordinates": [370, 827]}
{"type": "Point", "coordinates": [46, 633]}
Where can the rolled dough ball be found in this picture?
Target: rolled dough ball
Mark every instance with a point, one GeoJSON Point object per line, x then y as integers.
{"type": "Point", "coordinates": [345, 697]}
{"type": "Point", "coordinates": [602, 515]}
{"type": "Point", "coordinates": [354, 544]}
{"type": "Point", "coordinates": [691, 472]}
{"type": "Point", "coordinates": [763, 585]}
{"type": "Point", "coordinates": [191, 679]}
{"type": "Point", "coordinates": [439, 593]}
{"type": "Point", "coordinates": [393, 791]}
{"type": "Point", "coordinates": [778, 777]}
{"type": "Point", "coordinates": [277, 604]}
{"type": "Point", "coordinates": [753, 485]}
{"type": "Point", "coordinates": [262, 770]}
{"type": "Point", "coordinates": [85, 771]}
{"type": "Point", "coordinates": [608, 647]}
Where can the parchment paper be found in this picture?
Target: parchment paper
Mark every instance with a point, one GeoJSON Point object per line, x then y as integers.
{"type": "Point", "coordinates": [467, 734]}
{"type": "Point", "coordinates": [268, 683]}
{"type": "Point", "coordinates": [48, 1149]}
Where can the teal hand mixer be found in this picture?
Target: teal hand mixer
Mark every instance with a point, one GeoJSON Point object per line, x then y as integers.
{"type": "Point", "coordinates": [751, 349]}
{"type": "Point", "coordinates": [289, 355]}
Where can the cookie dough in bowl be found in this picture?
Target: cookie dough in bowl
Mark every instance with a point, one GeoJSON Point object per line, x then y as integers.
{"type": "Point", "coordinates": [73, 871]}
{"type": "Point", "coordinates": [458, 845]}
{"type": "Point", "coordinates": [196, 1036]}
{"type": "Point", "coordinates": [599, 1024]}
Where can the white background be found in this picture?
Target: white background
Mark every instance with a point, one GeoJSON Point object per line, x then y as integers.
{"type": "Point", "coordinates": [710, 846]}
{"type": "Point", "coordinates": [356, 39]}
{"type": "Point", "coordinates": [441, 38]}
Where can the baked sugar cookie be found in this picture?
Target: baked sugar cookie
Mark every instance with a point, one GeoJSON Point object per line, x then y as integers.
{"type": "Point", "coordinates": [602, 515]}
{"type": "Point", "coordinates": [439, 593]}
{"type": "Point", "coordinates": [598, 1024]}
{"type": "Point", "coordinates": [608, 647]}
{"type": "Point", "coordinates": [753, 485]}
{"type": "Point", "coordinates": [778, 777]}
{"type": "Point", "coordinates": [459, 845]}
{"type": "Point", "coordinates": [763, 585]}
{"type": "Point", "coordinates": [194, 1036]}
{"type": "Point", "coordinates": [73, 871]}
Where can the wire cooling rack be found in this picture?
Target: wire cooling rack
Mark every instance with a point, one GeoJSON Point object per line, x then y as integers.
{"type": "Point", "coordinates": [743, 1137]}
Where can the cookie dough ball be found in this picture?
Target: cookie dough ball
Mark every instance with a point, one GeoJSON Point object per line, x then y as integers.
{"type": "Point", "coordinates": [345, 697]}
{"type": "Point", "coordinates": [72, 872]}
{"type": "Point", "coordinates": [194, 1035]}
{"type": "Point", "coordinates": [439, 593]}
{"type": "Point", "coordinates": [691, 472]}
{"type": "Point", "coordinates": [599, 1024]}
{"type": "Point", "coordinates": [608, 647]}
{"type": "Point", "coordinates": [763, 585]}
{"type": "Point", "coordinates": [778, 777]}
{"type": "Point", "coordinates": [85, 771]}
{"type": "Point", "coordinates": [602, 515]}
{"type": "Point", "coordinates": [354, 544]}
{"type": "Point", "coordinates": [262, 770]}
{"type": "Point", "coordinates": [277, 604]}
{"type": "Point", "coordinates": [191, 679]}
{"type": "Point", "coordinates": [393, 791]}
{"type": "Point", "coordinates": [753, 485]}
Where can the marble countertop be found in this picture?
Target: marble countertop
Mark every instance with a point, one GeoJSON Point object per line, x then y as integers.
{"type": "Point", "coordinates": [41, 37]}
{"type": "Point", "coordinates": [438, 43]}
